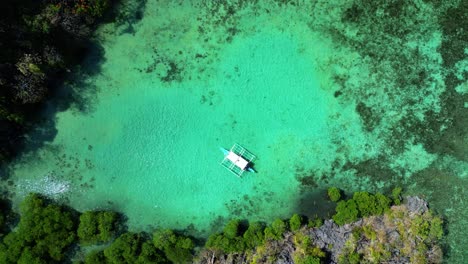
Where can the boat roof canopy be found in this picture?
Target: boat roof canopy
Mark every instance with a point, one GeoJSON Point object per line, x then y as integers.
{"type": "Point", "coordinates": [237, 160]}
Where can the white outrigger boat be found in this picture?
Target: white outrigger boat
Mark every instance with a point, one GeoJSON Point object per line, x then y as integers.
{"type": "Point", "coordinates": [237, 160]}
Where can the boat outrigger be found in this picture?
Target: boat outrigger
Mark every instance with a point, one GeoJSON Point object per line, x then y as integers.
{"type": "Point", "coordinates": [237, 160]}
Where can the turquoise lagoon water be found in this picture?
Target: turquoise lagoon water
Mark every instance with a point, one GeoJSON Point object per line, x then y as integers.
{"type": "Point", "coordinates": [190, 77]}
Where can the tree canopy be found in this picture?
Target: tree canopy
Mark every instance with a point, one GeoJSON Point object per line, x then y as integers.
{"type": "Point", "coordinates": [133, 248]}
{"type": "Point", "coordinates": [361, 205]}
{"type": "Point", "coordinates": [177, 248]}
{"type": "Point", "coordinates": [96, 227]}
{"type": "Point", "coordinates": [44, 233]}
{"type": "Point", "coordinates": [334, 194]}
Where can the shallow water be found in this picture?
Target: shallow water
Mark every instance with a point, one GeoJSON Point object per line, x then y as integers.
{"type": "Point", "coordinates": [316, 110]}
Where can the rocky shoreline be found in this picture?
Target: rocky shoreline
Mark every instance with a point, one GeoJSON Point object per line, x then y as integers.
{"type": "Point", "coordinates": [395, 234]}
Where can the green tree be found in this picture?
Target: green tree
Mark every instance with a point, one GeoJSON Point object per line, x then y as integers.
{"type": "Point", "coordinates": [223, 243]}
{"type": "Point", "coordinates": [308, 260]}
{"type": "Point", "coordinates": [369, 204]}
{"type": "Point", "coordinates": [295, 222]}
{"type": "Point", "coordinates": [350, 258]}
{"type": "Point", "coordinates": [132, 248]}
{"type": "Point", "coordinates": [315, 222]}
{"type": "Point", "coordinates": [45, 232]}
{"type": "Point", "coordinates": [305, 251]}
{"type": "Point", "coordinates": [346, 212]}
{"type": "Point", "coordinates": [29, 257]}
{"type": "Point", "coordinates": [382, 204]}
{"type": "Point", "coordinates": [396, 195]}
{"type": "Point", "coordinates": [231, 229]}
{"type": "Point", "coordinates": [177, 248]}
{"type": "Point", "coordinates": [365, 203]}
{"type": "Point", "coordinates": [124, 249]}
{"type": "Point", "coordinates": [97, 227]}
{"type": "Point", "coordinates": [149, 254]}
{"type": "Point", "coordinates": [230, 240]}
{"type": "Point", "coordinates": [254, 236]}
{"type": "Point", "coordinates": [334, 194]}
{"type": "Point", "coordinates": [95, 257]}
{"type": "Point", "coordinates": [436, 230]}
{"type": "Point", "coordinates": [276, 230]}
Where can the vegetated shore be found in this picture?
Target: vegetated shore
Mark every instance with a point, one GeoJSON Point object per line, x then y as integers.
{"type": "Point", "coordinates": [367, 228]}
{"type": "Point", "coordinates": [405, 233]}
{"type": "Point", "coordinates": [41, 42]}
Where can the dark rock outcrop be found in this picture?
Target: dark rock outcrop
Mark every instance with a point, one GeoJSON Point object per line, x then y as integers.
{"type": "Point", "coordinates": [416, 205]}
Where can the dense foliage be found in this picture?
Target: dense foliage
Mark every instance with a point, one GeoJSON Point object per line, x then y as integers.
{"type": "Point", "coordinates": [128, 248]}
{"type": "Point", "coordinates": [43, 235]}
{"type": "Point", "coordinates": [97, 227]}
{"type": "Point", "coordinates": [295, 222]}
{"type": "Point", "coordinates": [361, 205]}
{"type": "Point", "coordinates": [396, 195]}
{"type": "Point", "coordinates": [177, 248]}
{"type": "Point", "coordinates": [39, 42]}
{"type": "Point", "coordinates": [230, 240]}
{"type": "Point", "coordinates": [275, 230]}
{"type": "Point", "coordinates": [47, 232]}
{"type": "Point", "coordinates": [132, 248]}
{"type": "Point", "coordinates": [334, 194]}
{"type": "Point", "coordinates": [346, 212]}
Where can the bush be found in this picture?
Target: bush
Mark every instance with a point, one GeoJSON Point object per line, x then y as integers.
{"type": "Point", "coordinates": [357, 232]}
{"type": "Point", "coordinates": [350, 258]}
{"type": "Point", "coordinates": [365, 203]}
{"type": "Point", "coordinates": [305, 252]}
{"type": "Point", "coordinates": [396, 195]}
{"type": "Point", "coordinates": [369, 204]}
{"type": "Point", "coordinates": [124, 249]}
{"type": "Point", "coordinates": [230, 240]}
{"type": "Point", "coordinates": [231, 229]}
{"type": "Point", "coordinates": [346, 212]}
{"type": "Point", "coordinates": [361, 205]}
{"type": "Point", "coordinates": [382, 204]}
{"type": "Point", "coordinates": [177, 248]}
{"type": "Point", "coordinates": [316, 222]}
{"type": "Point", "coordinates": [334, 194]}
{"type": "Point", "coordinates": [295, 222]}
{"type": "Point", "coordinates": [97, 227]}
{"type": "Point", "coordinates": [254, 235]}
{"type": "Point", "coordinates": [95, 257]}
{"type": "Point", "coordinates": [308, 260]}
{"type": "Point", "coordinates": [132, 248]}
{"type": "Point", "coordinates": [225, 244]}
{"type": "Point", "coordinates": [436, 231]}
{"type": "Point", "coordinates": [276, 230]}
